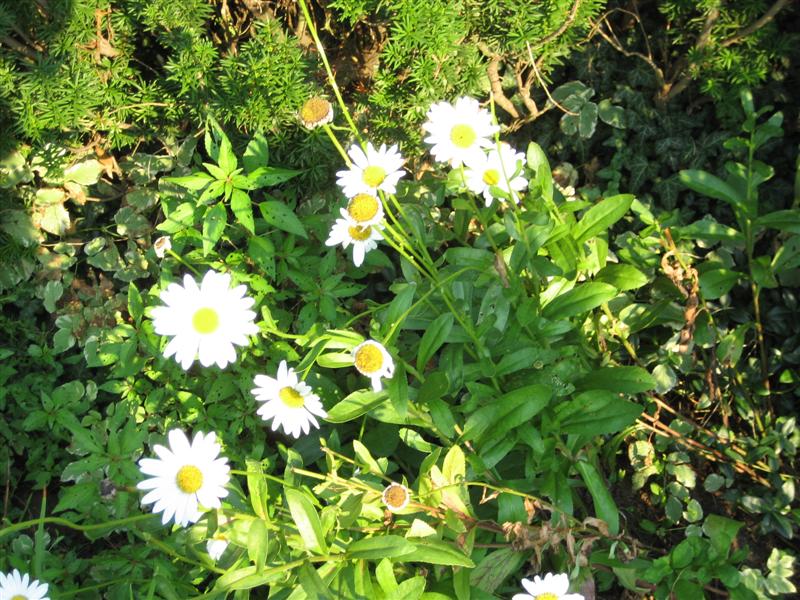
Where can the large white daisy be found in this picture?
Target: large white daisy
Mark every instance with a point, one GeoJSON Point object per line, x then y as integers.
{"type": "Point", "coordinates": [459, 131]}
{"type": "Point", "coordinates": [363, 209]}
{"type": "Point", "coordinates": [373, 360]}
{"type": "Point", "coordinates": [185, 477]}
{"type": "Point", "coordinates": [288, 401]}
{"type": "Point", "coordinates": [552, 587]}
{"type": "Point", "coordinates": [499, 168]}
{"type": "Point", "coordinates": [371, 171]}
{"type": "Point", "coordinates": [205, 320]}
{"type": "Point", "coordinates": [16, 586]}
{"type": "Point", "coordinates": [348, 232]}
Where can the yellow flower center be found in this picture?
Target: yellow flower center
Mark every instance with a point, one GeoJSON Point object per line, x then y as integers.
{"type": "Point", "coordinates": [19, 597]}
{"type": "Point", "coordinates": [363, 207]}
{"type": "Point", "coordinates": [189, 479]}
{"type": "Point", "coordinates": [463, 136]}
{"type": "Point", "coordinates": [373, 176]}
{"type": "Point", "coordinates": [291, 397]}
{"type": "Point", "coordinates": [546, 596]}
{"type": "Point", "coordinates": [395, 496]}
{"type": "Point", "coordinates": [205, 320]}
{"type": "Point", "coordinates": [359, 234]}
{"type": "Point", "coordinates": [491, 177]}
{"type": "Point", "coordinates": [369, 359]}
{"type": "Point", "coordinates": [314, 111]}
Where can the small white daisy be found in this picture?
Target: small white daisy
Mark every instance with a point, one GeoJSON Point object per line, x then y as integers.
{"type": "Point", "coordinates": [552, 587]}
{"type": "Point", "coordinates": [16, 586]}
{"type": "Point", "coordinates": [363, 238]}
{"type": "Point", "coordinates": [205, 320]}
{"type": "Point", "coordinates": [185, 477]}
{"type": "Point", "coordinates": [216, 548]}
{"type": "Point", "coordinates": [374, 170]}
{"type": "Point", "coordinates": [316, 112]}
{"type": "Point", "coordinates": [459, 131]}
{"type": "Point", "coordinates": [396, 496]}
{"type": "Point", "coordinates": [288, 401]}
{"type": "Point", "coordinates": [363, 209]}
{"type": "Point", "coordinates": [371, 359]}
{"type": "Point", "coordinates": [499, 168]}
{"type": "Point", "coordinates": [162, 245]}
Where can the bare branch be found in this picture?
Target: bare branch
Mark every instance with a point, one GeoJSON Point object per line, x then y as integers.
{"type": "Point", "coordinates": [544, 85]}
{"type": "Point", "coordinates": [573, 12]}
{"type": "Point", "coordinates": [766, 18]}
{"type": "Point", "coordinates": [493, 71]}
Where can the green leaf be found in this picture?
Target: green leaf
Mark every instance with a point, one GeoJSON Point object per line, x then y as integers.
{"type": "Point", "coordinates": [610, 114]}
{"type": "Point", "coordinates": [437, 552]}
{"type": "Point", "coordinates": [256, 155]}
{"type": "Point", "coordinates": [135, 303]}
{"type": "Point", "coordinates": [782, 220]}
{"type": "Point", "coordinates": [312, 584]}
{"type": "Point", "coordinates": [709, 185]}
{"type": "Point", "coordinates": [243, 210]}
{"type": "Point", "coordinates": [721, 531]}
{"type": "Point", "coordinates": [410, 589]}
{"type": "Point", "coordinates": [433, 338]}
{"type": "Point", "coordinates": [306, 518]}
{"type": "Point", "coordinates": [708, 229]}
{"type": "Point", "coordinates": [262, 251]}
{"type": "Point", "coordinates": [179, 219]}
{"type": "Point", "coordinates": [627, 380]}
{"type": "Point", "coordinates": [281, 216]}
{"type": "Point", "coordinates": [269, 176]}
{"type": "Point", "coordinates": [718, 282]}
{"type": "Point", "coordinates": [195, 181]}
{"type": "Point", "coordinates": [227, 159]}
{"type": "Point", "coordinates": [52, 292]}
{"type": "Point", "coordinates": [214, 222]}
{"type": "Point", "coordinates": [258, 543]}
{"type": "Point", "coordinates": [54, 219]}
{"type": "Point", "coordinates": [601, 216]}
{"type": "Point", "coordinates": [604, 506]}
{"type": "Point", "coordinates": [537, 162]}
{"type": "Point", "coordinates": [377, 547]}
{"type": "Point", "coordinates": [495, 568]}
{"type": "Point", "coordinates": [597, 412]}
{"type": "Point", "coordinates": [587, 120]}
{"type": "Point", "coordinates": [507, 412]}
{"type": "Point", "coordinates": [85, 173]}
{"type": "Point", "coordinates": [257, 488]}
{"type": "Point", "coordinates": [579, 300]}
{"type": "Point", "coordinates": [622, 277]}
{"type": "Point", "coordinates": [355, 405]}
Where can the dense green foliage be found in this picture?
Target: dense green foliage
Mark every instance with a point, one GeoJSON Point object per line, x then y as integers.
{"type": "Point", "coordinates": [601, 381]}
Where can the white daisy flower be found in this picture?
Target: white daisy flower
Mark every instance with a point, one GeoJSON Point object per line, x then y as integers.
{"type": "Point", "coordinates": [162, 245]}
{"type": "Point", "coordinates": [396, 496]}
{"type": "Point", "coordinates": [216, 548]}
{"type": "Point", "coordinates": [363, 238]}
{"type": "Point", "coordinates": [16, 586]}
{"type": "Point", "coordinates": [205, 320]}
{"type": "Point", "coordinates": [498, 168]}
{"type": "Point", "coordinates": [316, 112]}
{"type": "Point", "coordinates": [185, 477]}
{"type": "Point", "coordinates": [363, 209]}
{"type": "Point", "coordinates": [374, 170]}
{"type": "Point", "coordinates": [552, 587]}
{"type": "Point", "coordinates": [288, 401]}
{"type": "Point", "coordinates": [371, 359]}
{"type": "Point", "coordinates": [459, 131]}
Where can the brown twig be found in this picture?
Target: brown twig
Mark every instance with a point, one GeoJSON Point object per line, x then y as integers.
{"type": "Point", "coordinates": [493, 72]}
{"type": "Point", "coordinates": [544, 85]}
{"type": "Point", "coordinates": [573, 12]}
{"type": "Point", "coordinates": [17, 47]}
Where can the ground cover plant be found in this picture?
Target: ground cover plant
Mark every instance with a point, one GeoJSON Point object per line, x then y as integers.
{"type": "Point", "coordinates": [306, 332]}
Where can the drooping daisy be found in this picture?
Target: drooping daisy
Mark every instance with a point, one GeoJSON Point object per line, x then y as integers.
{"type": "Point", "coordinates": [316, 112]}
{"type": "Point", "coordinates": [362, 237]}
{"type": "Point", "coordinates": [16, 586]}
{"type": "Point", "coordinates": [288, 401]}
{"type": "Point", "coordinates": [205, 320]}
{"type": "Point", "coordinates": [374, 170]}
{"type": "Point", "coordinates": [372, 359]}
{"type": "Point", "coordinates": [363, 209]}
{"type": "Point", "coordinates": [459, 131]}
{"type": "Point", "coordinates": [185, 477]}
{"type": "Point", "coordinates": [396, 496]}
{"type": "Point", "coordinates": [552, 587]}
{"type": "Point", "coordinates": [499, 168]}
{"type": "Point", "coordinates": [216, 548]}
{"type": "Point", "coordinates": [162, 245]}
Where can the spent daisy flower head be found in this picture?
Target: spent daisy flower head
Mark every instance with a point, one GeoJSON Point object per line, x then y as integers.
{"type": "Point", "coordinates": [216, 548]}
{"type": "Point", "coordinates": [162, 245]}
{"type": "Point", "coordinates": [18, 586]}
{"type": "Point", "coordinates": [499, 168]}
{"type": "Point", "coordinates": [363, 238]}
{"type": "Point", "coordinates": [363, 209]}
{"type": "Point", "coordinates": [373, 360]}
{"type": "Point", "coordinates": [288, 401]}
{"type": "Point", "coordinates": [372, 170]}
{"type": "Point", "coordinates": [459, 131]}
{"type": "Point", "coordinates": [205, 320]}
{"type": "Point", "coordinates": [396, 496]}
{"type": "Point", "coordinates": [185, 477]}
{"type": "Point", "coordinates": [552, 587]}
{"type": "Point", "coordinates": [316, 112]}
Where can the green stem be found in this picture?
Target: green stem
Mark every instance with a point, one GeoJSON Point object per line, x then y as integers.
{"type": "Point", "coordinates": [336, 143]}
{"type": "Point", "coordinates": [67, 523]}
{"type": "Point", "coordinates": [184, 263]}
